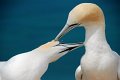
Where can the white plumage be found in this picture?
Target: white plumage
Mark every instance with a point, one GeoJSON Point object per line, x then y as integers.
{"type": "Point", "coordinates": [32, 65]}
{"type": "Point", "coordinates": [100, 62]}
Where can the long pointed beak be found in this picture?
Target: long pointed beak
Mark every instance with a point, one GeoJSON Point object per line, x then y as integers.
{"type": "Point", "coordinates": [70, 46]}
{"type": "Point", "coordinates": [65, 30]}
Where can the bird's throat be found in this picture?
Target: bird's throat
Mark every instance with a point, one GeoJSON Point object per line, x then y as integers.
{"type": "Point", "coordinates": [95, 37]}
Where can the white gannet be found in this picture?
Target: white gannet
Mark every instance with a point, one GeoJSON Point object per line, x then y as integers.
{"type": "Point", "coordinates": [32, 65]}
{"type": "Point", "coordinates": [100, 62]}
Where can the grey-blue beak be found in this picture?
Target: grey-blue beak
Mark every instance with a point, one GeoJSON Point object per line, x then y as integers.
{"type": "Point", "coordinates": [65, 30]}
{"type": "Point", "coordinates": [69, 46]}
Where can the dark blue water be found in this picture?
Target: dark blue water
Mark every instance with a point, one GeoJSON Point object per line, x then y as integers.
{"type": "Point", "coordinates": [27, 24]}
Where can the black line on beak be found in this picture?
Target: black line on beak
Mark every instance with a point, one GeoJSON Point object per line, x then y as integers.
{"type": "Point", "coordinates": [65, 30]}
{"type": "Point", "coordinates": [73, 24]}
{"type": "Point", "coordinates": [68, 49]}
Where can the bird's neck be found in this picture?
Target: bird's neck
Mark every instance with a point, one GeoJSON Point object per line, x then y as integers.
{"type": "Point", "coordinates": [95, 37]}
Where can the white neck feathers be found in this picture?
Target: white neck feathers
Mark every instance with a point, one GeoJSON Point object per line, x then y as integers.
{"type": "Point", "coordinates": [95, 38]}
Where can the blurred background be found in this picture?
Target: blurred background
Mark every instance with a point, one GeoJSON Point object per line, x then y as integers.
{"type": "Point", "coordinates": [27, 24]}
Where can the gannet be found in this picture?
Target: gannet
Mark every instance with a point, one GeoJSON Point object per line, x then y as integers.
{"type": "Point", "coordinates": [32, 65]}
{"type": "Point", "coordinates": [99, 62]}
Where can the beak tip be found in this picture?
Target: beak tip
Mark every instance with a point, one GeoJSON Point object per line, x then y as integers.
{"type": "Point", "coordinates": [56, 39]}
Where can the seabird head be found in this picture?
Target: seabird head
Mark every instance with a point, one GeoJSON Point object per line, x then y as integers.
{"type": "Point", "coordinates": [84, 14]}
{"type": "Point", "coordinates": [54, 49]}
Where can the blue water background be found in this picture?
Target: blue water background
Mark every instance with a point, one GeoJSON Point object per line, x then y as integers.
{"type": "Point", "coordinates": [27, 24]}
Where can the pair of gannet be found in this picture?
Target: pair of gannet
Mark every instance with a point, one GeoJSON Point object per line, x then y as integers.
{"type": "Point", "coordinates": [32, 65]}
{"type": "Point", "coordinates": [100, 62]}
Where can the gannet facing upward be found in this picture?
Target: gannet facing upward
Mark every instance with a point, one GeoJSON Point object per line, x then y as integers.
{"type": "Point", "coordinates": [100, 62]}
{"type": "Point", "coordinates": [32, 65]}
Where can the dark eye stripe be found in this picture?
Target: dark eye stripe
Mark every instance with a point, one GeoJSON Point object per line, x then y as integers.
{"type": "Point", "coordinates": [73, 24]}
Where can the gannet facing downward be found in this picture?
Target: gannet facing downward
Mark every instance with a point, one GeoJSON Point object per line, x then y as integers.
{"type": "Point", "coordinates": [32, 65]}
{"type": "Point", "coordinates": [100, 62]}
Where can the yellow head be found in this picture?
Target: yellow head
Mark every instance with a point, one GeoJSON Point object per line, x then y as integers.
{"type": "Point", "coordinates": [84, 14]}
